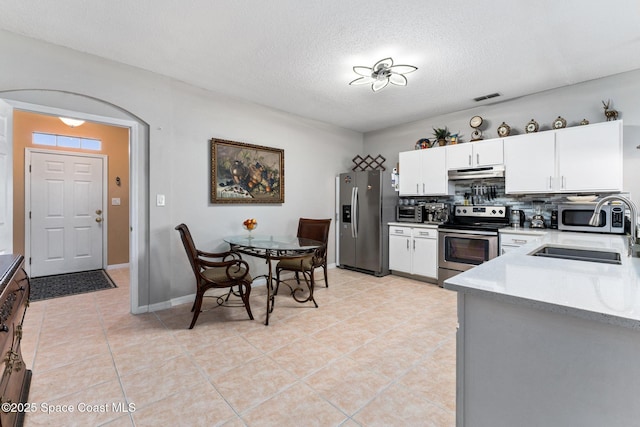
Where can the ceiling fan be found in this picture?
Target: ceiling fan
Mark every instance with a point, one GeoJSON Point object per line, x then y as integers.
{"type": "Point", "coordinates": [381, 74]}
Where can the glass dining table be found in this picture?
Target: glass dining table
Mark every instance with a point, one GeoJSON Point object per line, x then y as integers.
{"type": "Point", "coordinates": [275, 248]}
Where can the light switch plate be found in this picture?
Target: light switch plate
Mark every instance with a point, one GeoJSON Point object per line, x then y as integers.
{"type": "Point", "coordinates": [160, 200]}
{"type": "Point", "coordinates": [115, 201]}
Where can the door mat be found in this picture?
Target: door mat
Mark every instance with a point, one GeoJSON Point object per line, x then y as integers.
{"type": "Point", "coordinates": [62, 285]}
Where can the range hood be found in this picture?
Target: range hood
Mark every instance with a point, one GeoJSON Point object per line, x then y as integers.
{"type": "Point", "coordinates": [495, 171]}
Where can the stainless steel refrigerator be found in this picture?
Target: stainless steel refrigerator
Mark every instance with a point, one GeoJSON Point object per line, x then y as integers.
{"type": "Point", "coordinates": [366, 203]}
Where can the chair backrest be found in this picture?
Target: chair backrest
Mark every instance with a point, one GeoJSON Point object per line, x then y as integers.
{"type": "Point", "coordinates": [315, 229]}
{"type": "Point", "coordinates": [190, 248]}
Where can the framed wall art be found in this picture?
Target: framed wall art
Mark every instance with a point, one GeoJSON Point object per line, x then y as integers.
{"type": "Point", "coordinates": [246, 173]}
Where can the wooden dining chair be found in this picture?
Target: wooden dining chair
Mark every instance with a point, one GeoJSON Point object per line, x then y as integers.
{"type": "Point", "coordinates": [228, 272]}
{"type": "Point", "coordinates": [315, 229]}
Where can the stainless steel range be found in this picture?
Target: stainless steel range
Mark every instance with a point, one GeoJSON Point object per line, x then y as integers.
{"type": "Point", "coordinates": [469, 238]}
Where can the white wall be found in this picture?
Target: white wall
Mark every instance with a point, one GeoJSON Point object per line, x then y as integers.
{"type": "Point", "coordinates": [574, 103]}
{"type": "Point", "coordinates": [181, 119]}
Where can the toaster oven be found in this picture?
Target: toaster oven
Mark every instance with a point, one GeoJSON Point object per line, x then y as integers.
{"type": "Point", "coordinates": [410, 213]}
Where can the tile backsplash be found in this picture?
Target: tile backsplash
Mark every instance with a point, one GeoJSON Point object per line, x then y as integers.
{"type": "Point", "coordinates": [527, 203]}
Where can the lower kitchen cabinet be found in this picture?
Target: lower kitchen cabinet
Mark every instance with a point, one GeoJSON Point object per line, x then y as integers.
{"type": "Point", "coordinates": [414, 250]}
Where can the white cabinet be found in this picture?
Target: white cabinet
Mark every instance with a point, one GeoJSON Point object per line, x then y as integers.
{"type": "Point", "coordinates": [529, 162]}
{"type": "Point", "coordinates": [400, 250]}
{"type": "Point", "coordinates": [470, 155]}
{"type": "Point", "coordinates": [511, 241]}
{"type": "Point", "coordinates": [425, 252]}
{"type": "Point", "coordinates": [414, 250]}
{"type": "Point", "coordinates": [589, 158]}
{"type": "Point", "coordinates": [578, 159]}
{"type": "Point", "coordinates": [410, 173]}
{"type": "Point", "coordinates": [423, 173]}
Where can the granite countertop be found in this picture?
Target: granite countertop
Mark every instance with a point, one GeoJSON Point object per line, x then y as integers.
{"type": "Point", "coordinates": [603, 292]}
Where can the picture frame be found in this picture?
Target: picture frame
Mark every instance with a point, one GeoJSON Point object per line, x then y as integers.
{"type": "Point", "coordinates": [246, 173]}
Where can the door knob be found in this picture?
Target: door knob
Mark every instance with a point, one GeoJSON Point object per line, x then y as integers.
{"type": "Point", "coordinates": [98, 219]}
{"type": "Point", "coordinates": [99, 212]}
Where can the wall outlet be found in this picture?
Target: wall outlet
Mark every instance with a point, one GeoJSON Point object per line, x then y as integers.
{"type": "Point", "coordinates": [160, 200]}
{"type": "Point", "coordinates": [115, 201]}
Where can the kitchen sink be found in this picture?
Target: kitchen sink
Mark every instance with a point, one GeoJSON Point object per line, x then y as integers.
{"type": "Point", "coordinates": [590, 255]}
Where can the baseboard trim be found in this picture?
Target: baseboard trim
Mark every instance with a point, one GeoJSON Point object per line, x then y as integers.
{"type": "Point", "coordinates": [117, 266]}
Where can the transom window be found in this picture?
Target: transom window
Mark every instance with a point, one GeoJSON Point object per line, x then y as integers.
{"type": "Point", "coordinates": [64, 141]}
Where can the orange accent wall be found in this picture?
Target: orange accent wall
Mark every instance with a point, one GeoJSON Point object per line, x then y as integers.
{"type": "Point", "coordinates": [115, 145]}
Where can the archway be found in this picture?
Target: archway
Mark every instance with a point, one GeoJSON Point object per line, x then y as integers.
{"type": "Point", "coordinates": [59, 103]}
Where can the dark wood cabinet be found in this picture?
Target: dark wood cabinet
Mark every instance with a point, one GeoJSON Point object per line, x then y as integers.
{"type": "Point", "coordinates": [14, 299]}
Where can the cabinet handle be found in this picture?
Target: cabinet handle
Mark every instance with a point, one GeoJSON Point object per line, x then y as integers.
{"type": "Point", "coordinates": [478, 158]}
{"type": "Point", "coordinates": [564, 182]}
{"type": "Point", "coordinates": [424, 233]}
{"type": "Point", "coordinates": [407, 244]}
{"type": "Point", "coordinates": [469, 159]}
{"type": "Point", "coordinates": [520, 241]}
{"type": "Point", "coordinates": [414, 245]}
{"type": "Point", "coordinates": [550, 179]}
{"type": "Point", "coordinates": [417, 188]}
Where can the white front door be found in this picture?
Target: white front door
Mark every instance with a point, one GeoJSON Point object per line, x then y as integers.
{"type": "Point", "coordinates": [6, 178]}
{"type": "Point", "coordinates": [66, 195]}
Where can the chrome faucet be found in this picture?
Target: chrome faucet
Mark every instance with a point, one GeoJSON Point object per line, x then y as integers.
{"type": "Point", "coordinates": [634, 246]}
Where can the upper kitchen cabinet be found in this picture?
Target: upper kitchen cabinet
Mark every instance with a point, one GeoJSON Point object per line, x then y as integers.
{"type": "Point", "coordinates": [476, 154]}
{"type": "Point", "coordinates": [589, 158]}
{"type": "Point", "coordinates": [578, 159]}
{"type": "Point", "coordinates": [423, 173]}
{"type": "Point", "coordinates": [529, 163]}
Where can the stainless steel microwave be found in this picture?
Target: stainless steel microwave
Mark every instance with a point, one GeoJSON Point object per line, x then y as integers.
{"type": "Point", "coordinates": [409, 213]}
{"type": "Point", "coordinates": [576, 216]}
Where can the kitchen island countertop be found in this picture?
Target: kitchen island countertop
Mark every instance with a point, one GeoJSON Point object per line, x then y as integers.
{"type": "Point", "coordinates": [603, 292]}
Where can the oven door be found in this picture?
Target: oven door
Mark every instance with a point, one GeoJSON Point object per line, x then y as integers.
{"type": "Point", "coordinates": [461, 250]}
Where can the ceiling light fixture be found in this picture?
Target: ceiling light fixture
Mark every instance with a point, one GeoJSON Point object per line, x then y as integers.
{"type": "Point", "coordinates": [71, 122]}
{"type": "Point", "coordinates": [382, 73]}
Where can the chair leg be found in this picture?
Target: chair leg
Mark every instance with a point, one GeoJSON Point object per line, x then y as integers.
{"type": "Point", "coordinates": [311, 288]}
{"type": "Point", "coordinates": [326, 279]}
{"type": "Point", "coordinates": [297, 278]}
{"type": "Point", "coordinates": [277, 281]}
{"type": "Point", "coordinates": [197, 305]}
{"type": "Point", "coordinates": [245, 298]}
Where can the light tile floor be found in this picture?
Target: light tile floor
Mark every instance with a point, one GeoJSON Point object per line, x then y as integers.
{"type": "Point", "coordinates": [377, 352]}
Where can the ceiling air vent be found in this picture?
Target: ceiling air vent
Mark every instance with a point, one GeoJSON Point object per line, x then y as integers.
{"type": "Point", "coordinates": [482, 98]}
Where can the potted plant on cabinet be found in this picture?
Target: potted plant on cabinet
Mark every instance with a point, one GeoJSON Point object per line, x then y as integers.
{"type": "Point", "coordinates": [441, 135]}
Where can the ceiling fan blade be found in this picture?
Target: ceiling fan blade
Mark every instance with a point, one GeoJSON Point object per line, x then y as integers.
{"type": "Point", "coordinates": [363, 81]}
{"type": "Point", "coordinates": [363, 71]}
{"type": "Point", "coordinates": [397, 79]}
{"type": "Point", "coordinates": [379, 85]}
{"type": "Point", "coordinates": [403, 69]}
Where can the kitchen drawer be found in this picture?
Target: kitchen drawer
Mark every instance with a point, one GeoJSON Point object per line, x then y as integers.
{"type": "Point", "coordinates": [425, 233]}
{"type": "Point", "coordinates": [517, 239]}
{"type": "Point", "coordinates": [510, 241]}
{"type": "Point", "coordinates": [399, 231]}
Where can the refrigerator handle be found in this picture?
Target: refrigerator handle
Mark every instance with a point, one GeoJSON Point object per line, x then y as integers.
{"type": "Point", "coordinates": [354, 208]}
{"type": "Point", "coordinates": [353, 233]}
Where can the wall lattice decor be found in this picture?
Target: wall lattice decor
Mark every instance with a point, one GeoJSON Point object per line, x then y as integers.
{"type": "Point", "coordinates": [368, 163]}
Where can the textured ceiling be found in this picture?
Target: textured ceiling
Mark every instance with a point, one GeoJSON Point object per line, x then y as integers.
{"type": "Point", "coordinates": [296, 56]}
